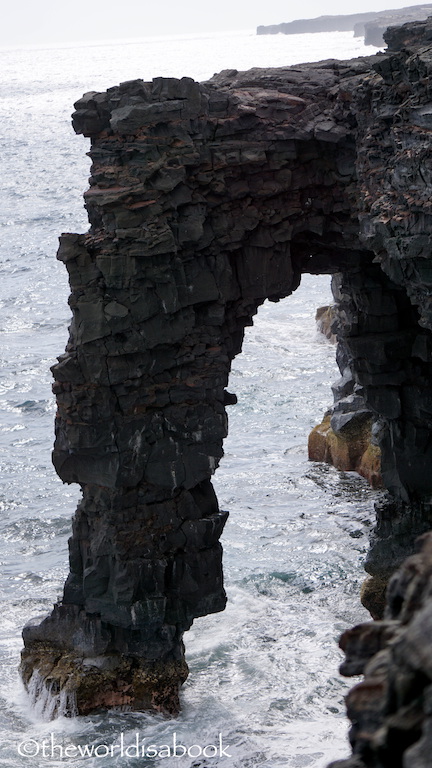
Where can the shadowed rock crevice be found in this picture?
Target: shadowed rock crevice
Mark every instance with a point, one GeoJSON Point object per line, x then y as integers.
{"type": "Point", "coordinates": [204, 200]}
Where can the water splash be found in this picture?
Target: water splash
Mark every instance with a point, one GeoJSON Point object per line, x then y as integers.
{"type": "Point", "coordinates": [47, 701]}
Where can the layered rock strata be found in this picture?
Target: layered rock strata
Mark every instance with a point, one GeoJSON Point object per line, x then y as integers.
{"type": "Point", "coordinates": [371, 26]}
{"type": "Point", "coordinates": [204, 200]}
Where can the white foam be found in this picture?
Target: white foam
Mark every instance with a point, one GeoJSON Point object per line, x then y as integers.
{"type": "Point", "coordinates": [47, 702]}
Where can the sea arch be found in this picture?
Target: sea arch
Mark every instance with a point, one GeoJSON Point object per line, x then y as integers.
{"type": "Point", "coordinates": [205, 200]}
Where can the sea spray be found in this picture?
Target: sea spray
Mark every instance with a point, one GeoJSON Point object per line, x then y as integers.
{"type": "Point", "coordinates": [47, 702]}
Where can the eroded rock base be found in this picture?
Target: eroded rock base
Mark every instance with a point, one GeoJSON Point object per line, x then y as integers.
{"type": "Point", "coordinates": [70, 685]}
{"type": "Point", "coordinates": [349, 451]}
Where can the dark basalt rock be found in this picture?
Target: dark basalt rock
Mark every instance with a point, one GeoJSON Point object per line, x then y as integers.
{"type": "Point", "coordinates": [204, 200]}
{"type": "Point", "coordinates": [390, 709]}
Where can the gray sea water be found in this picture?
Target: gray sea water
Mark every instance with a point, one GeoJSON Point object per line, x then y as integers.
{"type": "Point", "coordinates": [264, 673]}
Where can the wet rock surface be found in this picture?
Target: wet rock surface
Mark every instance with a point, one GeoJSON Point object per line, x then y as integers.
{"type": "Point", "coordinates": [204, 200]}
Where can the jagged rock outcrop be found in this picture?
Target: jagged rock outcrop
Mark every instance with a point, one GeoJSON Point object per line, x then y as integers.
{"type": "Point", "coordinates": [325, 318]}
{"type": "Point", "coordinates": [371, 25]}
{"type": "Point", "coordinates": [204, 200]}
{"type": "Point", "coordinates": [347, 437]}
{"type": "Point", "coordinates": [390, 709]}
{"type": "Point", "coordinates": [349, 447]}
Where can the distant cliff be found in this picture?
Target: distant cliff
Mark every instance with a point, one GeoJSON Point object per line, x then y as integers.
{"type": "Point", "coordinates": [372, 25]}
{"type": "Point", "coordinates": [319, 24]}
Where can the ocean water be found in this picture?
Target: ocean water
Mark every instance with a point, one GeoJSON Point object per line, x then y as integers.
{"type": "Point", "coordinates": [264, 673]}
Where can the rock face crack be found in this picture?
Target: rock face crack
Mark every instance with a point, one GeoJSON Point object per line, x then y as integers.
{"type": "Point", "coordinates": [204, 200]}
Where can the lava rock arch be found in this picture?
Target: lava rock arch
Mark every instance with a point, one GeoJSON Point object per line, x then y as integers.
{"type": "Point", "coordinates": [205, 200]}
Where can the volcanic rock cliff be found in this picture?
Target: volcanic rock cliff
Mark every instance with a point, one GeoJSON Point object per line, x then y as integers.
{"type": "Point", "coordinates": [204, 200]}
{"type": "Point", "coordinates": [371, 25]}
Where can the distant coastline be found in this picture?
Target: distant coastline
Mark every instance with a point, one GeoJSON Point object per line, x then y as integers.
{"type": "Point", "coordinates": [370, 25]}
